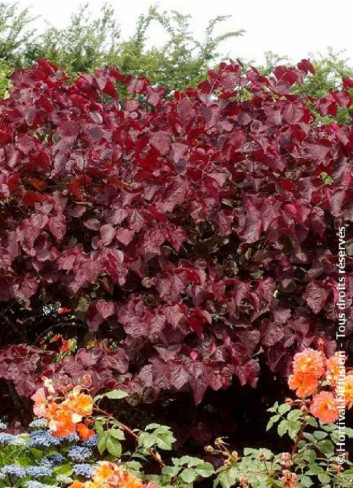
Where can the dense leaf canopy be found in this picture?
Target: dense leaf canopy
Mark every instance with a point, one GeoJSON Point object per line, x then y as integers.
{"type": "Point", "coordinates": [195, 233]}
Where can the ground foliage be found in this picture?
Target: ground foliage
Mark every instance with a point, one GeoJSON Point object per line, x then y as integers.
{"type": "Point", "coordinates": [76, 442]}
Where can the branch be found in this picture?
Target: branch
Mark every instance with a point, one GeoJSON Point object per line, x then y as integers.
{"type": "Point", "coordinates": [128, 430]}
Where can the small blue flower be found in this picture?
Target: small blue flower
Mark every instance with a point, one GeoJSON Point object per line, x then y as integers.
{"type": "Point", "coordinates": [39, 471]}
{"type": "Point", "coordinates": [84, 470]}
{"type": "Point", "coordinates": [46, 462]}
{"type": "Point", "coordinates": [6, 439]}
{"type": "Point", "coordinates": [39, 424]}
{"type": "Point", "coordinates": [79, 454]}
{"type": "Point", "coordinates": [18, 441]}
{"type": "Point", "coordinates": [14, 470]}
{"type": "Point", "coordinates": [56, 459]}
{"type": "Point", "coordinates": [64, 479]}
{"type": "Point", "coordinates": [36, 484]}
{"type": "Point", "coordinates": [42, 439]}
{"type": "Point", "coordinates": [71, 438]}
{"type": "Point", "coordinates": [91, 442]}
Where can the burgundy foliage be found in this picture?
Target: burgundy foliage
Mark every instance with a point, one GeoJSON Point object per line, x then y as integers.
{"type": "Point", "coordinates": [197, 230]}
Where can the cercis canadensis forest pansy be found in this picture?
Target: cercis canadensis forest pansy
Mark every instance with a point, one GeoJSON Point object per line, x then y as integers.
{"type": "Point", "coordinates": [194, 231]}
{"type": "Point", "coordinates": [158, 247]}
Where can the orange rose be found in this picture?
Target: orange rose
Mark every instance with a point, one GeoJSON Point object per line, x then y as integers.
{"type": "Point", "coordinates": [84, 432]}
{"type": "Point", "coordinates": [129, 480]}
{"type": "Point", "coordinates": [109, 474]}
{"type": "Point", "coordinates": [40, 403]}
{"type": "Point", "coordinates": [348, 389]}
{"type": "Point", "coordinates": [324, 407]}
{"type": "Point", "coordinates": [310, 362]}
{"type": "Point", "coordinates": [332, 369]}
{"type": "Point", "coordinates": [104, 471]}
{"type": "Point", "coordinates": [304, 384]}
{"type": "Point", "coordinates": [62, 424]}
{"type": "Point", "coordinates": [79, 403]}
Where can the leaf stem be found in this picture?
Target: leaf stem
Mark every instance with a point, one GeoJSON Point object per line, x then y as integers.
{"type": "Point", "coordinates": [129, 431]}
{"type": "Point", "coordinates": [299, 437]}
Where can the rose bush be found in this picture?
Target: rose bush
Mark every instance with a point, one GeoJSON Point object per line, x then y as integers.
{"type": "Point", "coordinates": [78, 443]}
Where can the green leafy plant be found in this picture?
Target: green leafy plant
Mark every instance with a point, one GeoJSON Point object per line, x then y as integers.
{"type": "Point", "coordinates": [88, 42]}
{"type": "Point", "coordinates": [313, 453]}
{"type": "Point", "coordinates": [185, 471]}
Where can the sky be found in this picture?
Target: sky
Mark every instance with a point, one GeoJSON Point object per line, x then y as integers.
{"type": "Point", "coordinates": [294, 28]}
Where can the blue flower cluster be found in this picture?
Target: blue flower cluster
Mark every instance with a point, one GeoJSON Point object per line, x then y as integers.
{"type": "Point", "coordinates": [36, 484]}
{"type": "Point", "coordinates": [7, 439]}
{"type": "Point", "coordinates": [71, 438]}
{"type": "Point", "coordinates": [40, 437]}
{"type": "Point", "coordinates": [56, 459]}
{"type": "Point", "coordinates": [84, 470]}
{"type": "Point", "coordinates": [79, 454]}
{"type": "Point", "coordinates": [43, 439]}
{"type": "Point", "coordinates": [18, 441]}
{"type": "Point", "coordinates": [39, 424]}
{"type": "Point", "coordinates": [91, 442]}
{"type": "Point", "coordinates": [14, 470]}
{"type": "Point", "coordinates": [39, 471]}
{"type": "Point", "coordinates": [46, 462]}
{"type": "Point", "coordinates": [64, 480]}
